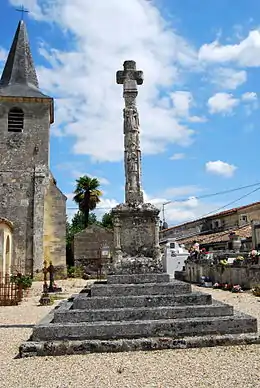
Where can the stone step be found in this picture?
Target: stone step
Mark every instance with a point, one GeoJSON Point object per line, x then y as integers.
{"type": "Point", "coordinates": [174, 287]}
{"type": "Point", "coordinates": [108, 330]}
{"type": "Point", "coordinates": [139, 278]}
{"type": "Point", "coordinates": [85, 302]}
{"type": "Point", "coordinates": [62, 348]}
{"type": "Point", "coordinates": [142, 313]}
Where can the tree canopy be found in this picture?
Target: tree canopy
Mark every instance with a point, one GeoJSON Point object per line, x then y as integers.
{"type": "Point", "coordinates": [87, 195]}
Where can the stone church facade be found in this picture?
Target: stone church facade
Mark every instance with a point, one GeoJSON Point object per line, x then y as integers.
{"type": "Point", "coordinates": [30, 200]}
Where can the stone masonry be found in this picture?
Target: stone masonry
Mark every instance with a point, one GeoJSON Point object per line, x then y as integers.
{"type": "Point", "coordinates": [139, 307]}
{"type": "Point", "coordinates": [138, 312]}
{"type": "Point", "coordinates": [136, 224]}
{"type": "Point", "coordinates": [25, 179]}
{"type": "Point", "coordinates": [87, 246]}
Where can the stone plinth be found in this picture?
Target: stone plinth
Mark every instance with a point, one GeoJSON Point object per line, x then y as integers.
{"type": "Point", "coordinates": [138, 312]}
{"type": "Point", "coordinates": [136, 239]}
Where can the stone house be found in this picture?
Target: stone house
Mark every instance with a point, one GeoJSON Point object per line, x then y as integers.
{"type": "Point", "coordinates": [213, 231]}
{"type": "Point", "coordinates": [32, 208]}
{"type": "Point", "coordinates": [87, 247]}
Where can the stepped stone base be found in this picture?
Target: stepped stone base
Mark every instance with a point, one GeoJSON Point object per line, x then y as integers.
{"type": "Point", "coordinates": [61, 348]}
{"type": "Point", "coordinates": [138, 312]}
{"type": "Point", "coordinates": [139, 278]}
{"type": "Point", "coordinates": [147, 313]}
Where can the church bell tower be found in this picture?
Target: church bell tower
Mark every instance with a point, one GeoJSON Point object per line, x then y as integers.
{"type": "Point", "coordinates": [25, 118]}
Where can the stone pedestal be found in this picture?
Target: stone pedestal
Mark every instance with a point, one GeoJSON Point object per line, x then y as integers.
{"type": "Point", "coordinates": [136, 239]}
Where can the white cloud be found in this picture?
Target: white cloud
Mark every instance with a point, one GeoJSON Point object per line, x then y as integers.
{"type": "Point", "coordinates": [32, 5]}
{"type": "Point", "coordinates": [244, 53]}
{"type": "Point", "coordinates": [177, 156]}
{"type": "Point", "coordinates": [181, 211]}
{"type": "Point", "coordinates": [221, 168]}
{"type": "Point", "coordinates": [89, 103]}
{"type": "Point", "coordinates": [229, 78]}
{"type": "Point", "coordinates": [76, 170]}
{"type": "Point", "coordinates": [182, 102]}
{"type": "Point", "coordinates": [3, 54]}
{"type": "Point", "coordinates": [251, 102]}
{"type": "Point", "coordinates": [222, 103]}
{"type": "Point", "coordinates": [197, 119]}
{"type": "Point", "coordinates": [105, 205]}
{"type": "Point", "coordinates": [172, 192]}
{"type": "Point", "coordinates": [175, 211]}
{"type": "Point", "coordinates": [249, 96]}
{"type": "Point", "coordinates": [69, 196]}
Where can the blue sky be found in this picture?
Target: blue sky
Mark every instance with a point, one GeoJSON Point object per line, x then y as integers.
{"type": "Point", "coordinates": [199, 105]}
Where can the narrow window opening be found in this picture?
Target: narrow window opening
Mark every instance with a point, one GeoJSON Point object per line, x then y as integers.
{"type": "Point", "coordinates": [15, 120]}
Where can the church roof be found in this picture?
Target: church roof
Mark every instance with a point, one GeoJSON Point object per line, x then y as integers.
{"type": "Point", "coordinates": [19, 78]}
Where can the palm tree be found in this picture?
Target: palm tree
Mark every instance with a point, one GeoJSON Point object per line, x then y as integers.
{"type": "Point", "coordinates": [87, 195]}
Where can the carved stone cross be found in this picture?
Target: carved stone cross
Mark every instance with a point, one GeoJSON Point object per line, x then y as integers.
{"type": "Point", "coordinates": [130, 78]}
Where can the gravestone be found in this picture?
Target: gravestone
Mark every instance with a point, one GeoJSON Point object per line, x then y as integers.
{"type": "Point", "coordinates": [139, 308]}
{"type": "Point", "coordinates": [136, 224]}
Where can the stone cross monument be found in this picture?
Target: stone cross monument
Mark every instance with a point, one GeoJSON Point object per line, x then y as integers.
{"type": "Point", "coordinates": [136, 224]}
{"type": "Point", "coordinates": [130, 78]}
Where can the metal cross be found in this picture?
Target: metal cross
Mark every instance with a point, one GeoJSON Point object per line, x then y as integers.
{"type": "Point", "coordinates": [22, 10]}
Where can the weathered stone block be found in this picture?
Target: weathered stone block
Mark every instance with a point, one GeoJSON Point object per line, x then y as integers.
{"type": "Point", "coordinates": [142, 313]}
{"type": "Point", "coordinates": [85, 302]}
{"type": "Point", "coordinates": [138, 278]}
{"type": "Point", "coordinates": [174, 328]}
{"type": "Point", "coordinates": [137, 229]}
{"type": "Point", "coordinates": [61, 348]}
{"type": "Point", "coordinates": [141, 289]}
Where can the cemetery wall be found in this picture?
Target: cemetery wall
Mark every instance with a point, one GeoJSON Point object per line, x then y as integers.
{"type": "Point", "coordinates": [246, 276]}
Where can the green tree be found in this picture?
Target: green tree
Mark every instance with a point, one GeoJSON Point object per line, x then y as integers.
{"type": "Point", "coordinates": [87, 195]}
{"type": "Point", "coordinates": [107, 220]}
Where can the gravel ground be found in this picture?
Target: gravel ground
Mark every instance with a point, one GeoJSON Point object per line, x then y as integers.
{"type": "Point", "coordinates": [232, 367]}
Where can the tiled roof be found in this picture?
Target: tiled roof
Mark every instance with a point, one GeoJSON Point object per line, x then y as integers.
{"type": "Point", "coordinates": [19, 76]}
{"type": "Point", "coordinates": [244, 232]}
{"type": "Point", "coordinates": [224, 213]}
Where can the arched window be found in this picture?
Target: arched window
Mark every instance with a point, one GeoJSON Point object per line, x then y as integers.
{"type": "Point", "coordinates": [7, 256]}
{"type": "Point", "coordinates": [15, 120]}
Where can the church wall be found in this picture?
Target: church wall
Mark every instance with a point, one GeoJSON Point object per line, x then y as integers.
{"type": "Point", "coordinates": [24, 150]}
{"type": "Point", "coordinates": [20, 153]}
{"type": "Point", "coordinates": [54, 240]}
{"type": "Point", "coordinates": [25, 118]}
{"type": "Point", "coordinates": [16, 204]}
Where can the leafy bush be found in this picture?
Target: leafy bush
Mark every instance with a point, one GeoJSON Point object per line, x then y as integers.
{"type": "Point", "coordinates": [75, 272]}
{"type": "Point", "coordinates": [256, 291]}
{"type": "Point", "coordinates": [24, 281]}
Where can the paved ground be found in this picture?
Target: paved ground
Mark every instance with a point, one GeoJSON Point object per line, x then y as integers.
{"type": "Point", "coordinates": [229, 367]}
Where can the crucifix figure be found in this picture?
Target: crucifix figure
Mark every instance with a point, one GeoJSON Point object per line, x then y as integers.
{"type": "Point", "coordinates": [130, 78]}
{"type": "Point", "coordinates": [22, 10]}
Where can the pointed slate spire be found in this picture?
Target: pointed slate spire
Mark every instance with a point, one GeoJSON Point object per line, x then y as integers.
{"type": "Point", "coordinates": [19, 78]}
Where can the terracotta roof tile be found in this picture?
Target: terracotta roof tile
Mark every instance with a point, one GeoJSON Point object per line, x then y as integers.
{"type": "Point", "coordinates": [244, 232]}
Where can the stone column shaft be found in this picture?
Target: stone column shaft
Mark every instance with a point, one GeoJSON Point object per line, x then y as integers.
{"type": "Point", "coordinates": [130, 77]}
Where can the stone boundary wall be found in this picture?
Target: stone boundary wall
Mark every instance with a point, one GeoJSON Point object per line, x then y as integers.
{"type": "Point", "coordinates": [92, 266]}
{"type": "Point", "coordinates": [246, 276]}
